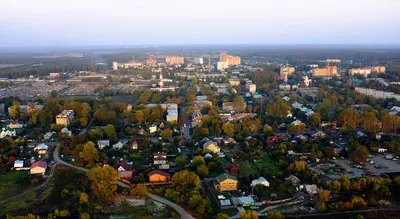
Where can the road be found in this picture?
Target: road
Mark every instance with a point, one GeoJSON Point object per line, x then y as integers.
{"type": "Point", "coordinates": [87, 127]}
{"type": "Point", "coordinates": [186, 128]}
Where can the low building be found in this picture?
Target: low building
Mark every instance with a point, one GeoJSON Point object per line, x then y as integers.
{"type": "Point", "coordinates": [135, 145]}
{"type": "Point", "coordinates": [233, 170]}
{"type": "Point", "coordinates": [103, 143]}
{"type": "Point", "coordinates": [66, 131]}
{"type": "Point", "coordinates": [65, 117]}
{"type": "Point", "coordinates": [230, 106]}
{"type": "Point", "coordinates": [252, 88]}
{"type": "Point", "coordinates": [226, 182]}
{"type": "Point", "coordinates": [38, 167]}
{"type": "Point", "coordinates": [222, 65]}
{"type": "Point", "coordinates": [118, 145]}
{"type": "Point", "coordinates": [125, 169]}
{"type": "Point", "coordinates": [172, 115]}
{"type": "Point", "coordinates": [294, 179]}
{"type": "Point", "coordinates": [246, 201]}
{"type": "Point", "coordinates": [157, 176]}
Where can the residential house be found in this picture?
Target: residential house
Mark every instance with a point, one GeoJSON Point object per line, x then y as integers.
{"type": "Point", "coordinates": [125, 169]}
{"type": "Point", "coordinates": [316, 134]}
{"type": "Point", "coordinates": [15, 124]}
{"type": "Point", "coordinates": [38, 167]}
{"type": "Point", "coordinates": [311, 189]}
{"type": "Point", "coordinates": [103, 143]}
{"type": "Point", "coordinates": [246, 201]}
{"type": "Point", "coordinates": [118, 146]}
{"type": "Point", "coordinates": [160, 158]}
{"type": "Point", "coordinates": [260, 181]}
{"type": "Point", "coordinates": [157, 176]}
{"type": "Point", "coordinates": [226, 182]}
{"type": "Point", "coordinates": [48, 135]}
{"type": "Point", "coordinates": [135, 145]}
{"type": "Point", "coordinates": [229, 140]}
{"type": "Point", "coordinates": [379, 150]}
{"type": "Point", "coordinates": [41, 149]}
{"type": "Point", "coordinates": [66, 131]}
{"type": "Point", "coordinates": [212, 146]}
{"type": "Point", "coordinates": [8, 132]}
{"type": "Point", "coordinates": [294, 179]}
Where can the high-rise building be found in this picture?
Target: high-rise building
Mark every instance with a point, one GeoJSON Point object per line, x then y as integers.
{"type": "Point", "coordinates": [161, 83]}
{"type": "Point", "coordinates": [231, 60]}
{"type": "Point", "coordinates": [286, 71]}
{"type": "Point", "coordinates": [115, 65]}
{"type": "Point", "coordinates": [197, 60]}
{"type": "Point", "coordinates": [150, 61]}
{"type": "Point", "coordinates": [222, 65]}
{"type": "Point", "coordinates": [367, 71]}
{"type": "Point", "coordinates": [328, 71]}
{"type": "Point", "coordinates": [174, 60]}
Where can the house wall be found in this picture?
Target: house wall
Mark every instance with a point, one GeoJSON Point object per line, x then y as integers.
{"type": "Point", "coordinates": [227, 185]}
{"type": "Point", "coordinates": [37, 170]}
{"type": "Point", "coordinates": [158, 178]}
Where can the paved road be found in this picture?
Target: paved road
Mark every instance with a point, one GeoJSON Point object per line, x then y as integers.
{"type": "Point", "coordinates": [184, 214]}
{"type": "Point", "coordinates": [269, 208]}
{"type": "Point", "coordinates": [186, 128]}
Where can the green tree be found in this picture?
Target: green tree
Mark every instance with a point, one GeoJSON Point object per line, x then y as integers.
{"type": "Point", "coordinates": [185, 180]}
{"type": "Point", "coordinates": [139, 115]}
{"type": "Point", "coordinates": [13, 112]}
{"type": "Point", "coordinates": [95, 135]}
{"type": "Point", "coordinates": [181, 161]}
{"type": "Point", "coordinates": [240, 104]}
{"type": "Point", "coordinates": [103, 182]}
{"type": "Point", "coordinates": [222, 216]}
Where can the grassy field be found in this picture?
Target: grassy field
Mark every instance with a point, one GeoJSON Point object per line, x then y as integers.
{"type": "Point", "coordinates": [267, 162]}
{"type": "Point", "coordinates": [246, 168]}
{"type": "Point", "coordinates": [12, 183]}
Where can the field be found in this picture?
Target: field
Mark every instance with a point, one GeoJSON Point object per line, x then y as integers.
{"type": "Point", "coordinates": [267, 162]}
{"type": "Point", "coordinates": [46, 199]}
{"type": "Point", "coordinates": [12, 183]}
{"type": "Point", "coordinates": [246, 168]}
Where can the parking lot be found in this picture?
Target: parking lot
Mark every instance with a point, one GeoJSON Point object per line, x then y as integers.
{"type": "Point", "coordinates": [378, 166]}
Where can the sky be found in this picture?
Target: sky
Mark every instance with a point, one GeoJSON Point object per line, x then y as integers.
{"type": "Point", "coordinates": [173, 22]}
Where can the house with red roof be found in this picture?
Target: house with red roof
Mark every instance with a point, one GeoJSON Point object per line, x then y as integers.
{"type": "Point", "coordinates": [125, 169]}
{"type": "Point", "coordinates": [233, 169]}
{"type": "Point", "coordinates": [272, 140]}
{"type": "Point", "coordinates": [38, 167]}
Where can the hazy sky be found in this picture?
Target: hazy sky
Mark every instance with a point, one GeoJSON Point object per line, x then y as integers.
{"type": "Point", "coordinates": [134, 22]}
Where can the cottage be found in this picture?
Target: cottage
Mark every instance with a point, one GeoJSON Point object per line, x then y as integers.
{"type": "Point", "coordinates": [41, 149]}
{"type": "Point", "coordinates": [38, 167]}
{"type": "Point", "coordinates": [229, 140]}
{"type": "Point", "coordinates": [316, 134]}
{"type": "Point", "coordinates": [66, 131]}
{"type": "Point", "coordinates": [103, 143]}
{"type": "Point", "coordinates": [160, 158]}
{"type": "Point", "coordinates": [48, 135]}
{"type": "Point", "coordinates": [260, 181]}
{"type": "Point", "coordinates": [157, 176]}
{"type": "Point", "coordinates": [8, 132]}
{"type": "Point", "coordinates": [226, 182]}
{"type": "Point", "coordinates": [125, 169]}
{"type": "Point", "coordinates": [212, 147]}
{"type": "Point", "coordinates": [271, 140]}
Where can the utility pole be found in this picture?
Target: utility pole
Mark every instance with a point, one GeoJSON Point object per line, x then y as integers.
{"type": "Point", "coordinates": [209, 64]}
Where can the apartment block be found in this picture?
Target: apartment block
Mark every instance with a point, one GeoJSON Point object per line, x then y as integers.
{"type": "Point", "coordinates": [328, 71]}
{"type": "Point", "coordinates": [174, 60]}
{"type": "Point", "coordinates": [231, 60]}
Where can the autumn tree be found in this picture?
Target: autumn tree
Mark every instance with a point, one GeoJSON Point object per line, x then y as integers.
{"type": "Point", "coordinates": [275, 214]}
{"type": "Point", "coordinates": [345, 182]}
{"type": "Point", "coordinates": [298, 166]}
{"type": "Point", "coordinates": [181, 161]}
{"type": "Point", "coordinates": [89, 155]}
{"type": "Point", "coordinates": [349, 119]}
{"type": "Point", "coordinates": [103, 182]}
{"type": "Point", "coordinates": [228, 128]}
{"type": "Point", "coordinates": [248, 214]}
{"type": "Point", "coordinates": [369, 121]}
{"type": "Point", "coordinates": [185, 179]}
{"type": "Point", "coordinates": [110, 131]}
{"type": "Point", "coordinates": [198, 160]}
{"type": "Point", "coordinates": [240, 103]}
{"type": "Point", "coordinates": [222, 216]}
{"type": "Point", "coordinates": [202, 170]}
{"type": "Point", "coordinates": [166, 133]}
{"type": "Point", "coordinates": [314, 120]}
{"type": "Point", "coordinates": [360, 155]}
